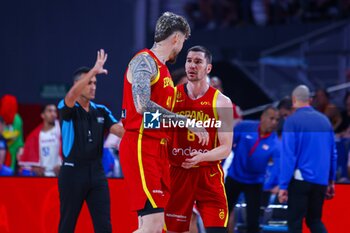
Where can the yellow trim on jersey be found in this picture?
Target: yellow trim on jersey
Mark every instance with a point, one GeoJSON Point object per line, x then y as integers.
{"type": "Point", "coordinates": [142, 173]}
{"type": "Point", "coordinates": [174, 100]}
{"type": "Point", "coordinates": [223, 187]}
{"type": "Point", "coordinates": [154, 81]}
{"type": "Point", "coordinates": [215, 99]}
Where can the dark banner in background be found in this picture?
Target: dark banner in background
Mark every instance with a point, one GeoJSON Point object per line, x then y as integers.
{"type": "Point", "coordinates": [43, 42]}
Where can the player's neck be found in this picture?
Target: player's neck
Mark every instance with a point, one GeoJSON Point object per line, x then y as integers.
{"type": "Point", "coordinates": [197, 89]}
{"type": "Point", "coordinates": [161, 51]}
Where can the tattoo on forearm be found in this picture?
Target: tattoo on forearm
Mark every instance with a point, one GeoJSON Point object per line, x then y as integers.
{"type": "Point", "coordinates": [143, 68]}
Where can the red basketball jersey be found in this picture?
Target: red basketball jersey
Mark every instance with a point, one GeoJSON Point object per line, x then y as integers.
{"type": "Point", "coordinates": [202, 109]}
{"type": "Point", "coordinates": [162, 93]}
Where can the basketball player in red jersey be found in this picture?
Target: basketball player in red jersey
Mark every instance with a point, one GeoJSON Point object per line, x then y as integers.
{"type": "Point", "coordinates": [148, 89]}
{"type": "Point", "coordinates": [196, 175]}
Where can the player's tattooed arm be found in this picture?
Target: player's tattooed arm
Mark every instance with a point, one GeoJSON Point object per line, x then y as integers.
{"type": "Point", "coordinates": [144, 70]}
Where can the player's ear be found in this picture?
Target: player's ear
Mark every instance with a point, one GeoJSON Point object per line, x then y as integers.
{"type": "Point", "coordinates": [209, 68]}
{"type": "Point", "coordinates": [175, 37]}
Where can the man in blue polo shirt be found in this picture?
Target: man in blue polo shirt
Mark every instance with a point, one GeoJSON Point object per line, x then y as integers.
{"type": "Point", "coordinates": [308, 158]}
{"type": "Point", "coordinates": [254, 144]}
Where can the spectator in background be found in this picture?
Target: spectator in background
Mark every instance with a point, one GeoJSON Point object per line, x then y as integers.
{"type": "Point", "coordinates": [313, 10]}
{"type": "Point", "coordinates": [270, 187]}
{"type": "Point", "coordinates": [308, 158]}
{"type": "Point", "coordinates": [322, 103]}
{"type": "Point", "coordinates": [228, 11]}
{"type": "Point", "coordinates": [4, 170]}
{"type": "Point", "coordinates": [342, 133]}
{"type": "Point", "coordinates": [216, 83]}
{"type": "Point", "coordinates": [260, 12]}
{"type": "Point", "coordinates": [343, 130]}
{"type": "Point", "coordinates": [110, 159]}
{"type": "Point", "coordinates": [202, 13]}
{"type": "Point", "coordinates": [283, 11]}
{"type": "Point", "coordinates": [285, 108]}
{"type": "Point", "coordinates": [42, 150]}
{"type": "Point", "coordinates": [237, 117]}
{"type": "Point", "coordinates": [13, 132]}
{"type": "Point", "coordinates": [344, 6]}
{"type": "Point", "coordinates": [348, 164]}
{"type": "Point", "coordinates": [179, 76]}
{"type": "Point", "coordinates": [254, 144]}
{"type": "Point", "coordinates": [237, 113]}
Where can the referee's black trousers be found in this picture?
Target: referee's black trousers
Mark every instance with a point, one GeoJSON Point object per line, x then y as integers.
{"type": "Point", "coordinates": [79, 183]}
{"type": "Point", "coordinates": [305, 199]}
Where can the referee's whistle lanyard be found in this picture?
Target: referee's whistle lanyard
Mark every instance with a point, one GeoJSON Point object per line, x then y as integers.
{"type": "Point", "coordinates": [260, 137]}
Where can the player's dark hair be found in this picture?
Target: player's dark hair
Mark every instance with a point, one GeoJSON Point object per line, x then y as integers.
{"type": "Point", "coordinates": [324, 91]}
{"type": "Point", "coordinates": [177, 75]}
{"type": "Point", "coordinates": [199, 48]}
{"type": "Point", "coordinates": [268, 108]}
{"type": "Point", "coordinates": [285, 103]}
{"type": "Point", "coordinates": [43, 108]}
{"type": "Point", "coordinates": [169, 23]}
{"type": "Point", "coordinates": [79, 72]}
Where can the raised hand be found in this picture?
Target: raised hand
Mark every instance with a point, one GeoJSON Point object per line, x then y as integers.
{"type": "Point", "coordinates": [100, 61]}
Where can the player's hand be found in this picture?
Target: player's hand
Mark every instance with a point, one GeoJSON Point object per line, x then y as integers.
{"type": "Point", "coordinates": [275, 189]}
{"type": "Point", "coordinates": [283, 196]}
{"type": "Point", "coordinates": [100, 61]}
{"type": "Point", "coordinates": [202, 134]}
{"type": "Point", "coordinates": [330, 191]}
{"type": "Point", "coordinates": [196, 157]}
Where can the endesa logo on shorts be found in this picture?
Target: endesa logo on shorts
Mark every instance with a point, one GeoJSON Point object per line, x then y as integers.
{"type": "Point", "coordinates": [186, 151]}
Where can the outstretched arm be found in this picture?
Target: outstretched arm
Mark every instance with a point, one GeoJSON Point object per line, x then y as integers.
{"type": "Point", "coordinates": [79, 85]}
{"type": "Point", "coordinates": [225, 135]}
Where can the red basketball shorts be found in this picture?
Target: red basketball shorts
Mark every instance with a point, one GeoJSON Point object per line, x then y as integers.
{"type": "Point", "coordinates": [202, 185]}
{"type": "Point", "coordinates": [145, 166]}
